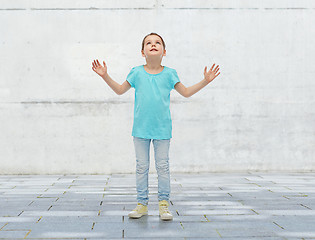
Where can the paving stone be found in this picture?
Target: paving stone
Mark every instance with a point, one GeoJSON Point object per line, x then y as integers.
{"type": "Point", "coordinates": [87, 219]}
{"type": "Point", "coordinates": [17, 219]}
{"type": "Point", "coordinates": [59, 213]}
{"type": "Point", "coordinates": [241, 238]}
{"type": "Point", "coordinates": [245, 233]}
{"type": "Point", "coordinates": [288, 212]}
{"type": "Point", "coordinates": [298, 234]}
{"type": "Point", "coordinates": [153, 229]}
{"type": "Point", "coordinates": [155, 218]}
{"type": "Point", "coordinates": [295, 223]}
{"type": "Point", "coordinates": [55, 234]}
{"type": "Point", "coordinates": [207, 203]}
{"type": "Point", "coordinates": [73, 229]}
{"type": "Point", "coordinates": [205, 206]}
{"type": "Point", "coordinates": [241, 218]}
{"type": "Point", "coordinates": [153, 238]}
{"type": "Point", "coordinates": [237, 225]}
{"type": "Point", "coordinates": [196, 229]}
{"type": "Point", "coordinates": [13, 234]}
{"type": "Point", "coordinates": [216, 212]}
{"type": "Point", "coordinates": [19, 226]}
{"type": "Point", "coordinates": [10, 213]}
{"type": "Point", "coordinates": [276, 206]}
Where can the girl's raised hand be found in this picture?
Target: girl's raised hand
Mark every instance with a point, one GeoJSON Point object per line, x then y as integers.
{"type": "Point", "coordinates": [209, 76]}
{"type": "Point", "coordinates": [98, 68]}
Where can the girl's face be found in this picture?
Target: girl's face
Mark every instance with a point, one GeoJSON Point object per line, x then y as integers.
{"type": "Point", "coordinates": [153, 47]}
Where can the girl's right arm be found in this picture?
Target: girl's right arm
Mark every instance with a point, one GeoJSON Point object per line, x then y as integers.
{"type": "Point", "coordinates": [102, 71]}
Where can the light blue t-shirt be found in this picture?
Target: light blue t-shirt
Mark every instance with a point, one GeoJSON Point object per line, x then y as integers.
{"type": "Point", "coordinates": [152, 115]}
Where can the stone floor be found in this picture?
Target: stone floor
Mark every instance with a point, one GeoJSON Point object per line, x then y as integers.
{"type": "Point", "coordinates": [205, 206]}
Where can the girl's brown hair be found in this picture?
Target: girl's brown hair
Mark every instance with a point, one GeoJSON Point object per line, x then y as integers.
{"type": "Point", "coordinates": [153, 34]}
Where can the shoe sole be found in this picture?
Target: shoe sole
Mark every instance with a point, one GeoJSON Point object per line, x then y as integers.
{"type": "Point", "coordinates": [166, 219]}
{"type": "Point", "coordinates": [136, 217]}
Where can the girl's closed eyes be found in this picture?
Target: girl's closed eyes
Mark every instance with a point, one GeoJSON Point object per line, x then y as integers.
{"type": "Point", "coordinates": [156, 42]}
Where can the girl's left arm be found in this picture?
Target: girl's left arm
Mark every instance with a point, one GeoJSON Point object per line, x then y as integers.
{"type": "Point", "coordinates": [208, 77]}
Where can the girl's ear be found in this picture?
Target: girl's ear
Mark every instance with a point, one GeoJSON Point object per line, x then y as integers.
{"type": "Point", "coordinates": [142, 53]}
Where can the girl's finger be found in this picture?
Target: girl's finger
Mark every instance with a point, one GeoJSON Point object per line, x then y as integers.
{"type": "Point", "coordinates": [212, 66]}
{"type": "Point", "coordinates": [98, 63]}
{"type": "Point", "coordinates": [104, 64]}
{"type": "Point", "coordinates": [205, 71]}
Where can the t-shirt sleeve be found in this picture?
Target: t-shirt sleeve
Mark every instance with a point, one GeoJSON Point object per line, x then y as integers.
{"type": "Point", "coordinates": [131, 78]}
{"type": "Point", "coordinates": [175, 78]}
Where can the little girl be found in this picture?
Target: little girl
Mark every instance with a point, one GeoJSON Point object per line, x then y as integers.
{"type": "Point", "coordinates": [152, 118]}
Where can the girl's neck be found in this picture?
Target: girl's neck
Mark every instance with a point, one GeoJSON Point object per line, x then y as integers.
{"type": "Point", "coordinates": [153, 66]}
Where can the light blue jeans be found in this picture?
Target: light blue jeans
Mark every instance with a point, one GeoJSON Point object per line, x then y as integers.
{"type": "Point", "coordinates": [161, 155]}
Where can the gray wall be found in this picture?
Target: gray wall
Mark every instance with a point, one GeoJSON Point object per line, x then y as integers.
{"type": "Point", "coordinates": [58, 116]}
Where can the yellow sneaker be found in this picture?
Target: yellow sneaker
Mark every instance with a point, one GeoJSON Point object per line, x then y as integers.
{"type": "Point", "coordinates": [165, 214]}
{"type": "Point", "coordinates": [139, 211]}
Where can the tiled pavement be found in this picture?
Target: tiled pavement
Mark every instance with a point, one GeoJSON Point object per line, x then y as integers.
{"type": "Point", "coordinates": [205, 206]}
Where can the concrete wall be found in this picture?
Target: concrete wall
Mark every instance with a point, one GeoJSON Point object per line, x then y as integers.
{"type": "Point", "coordinates": [58, 116]}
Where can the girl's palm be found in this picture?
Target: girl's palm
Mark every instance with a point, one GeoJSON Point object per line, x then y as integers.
{"type": "Point", "coordinates": [212, 74]}
{"type": "Point", "coordinates": [98, 68]}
